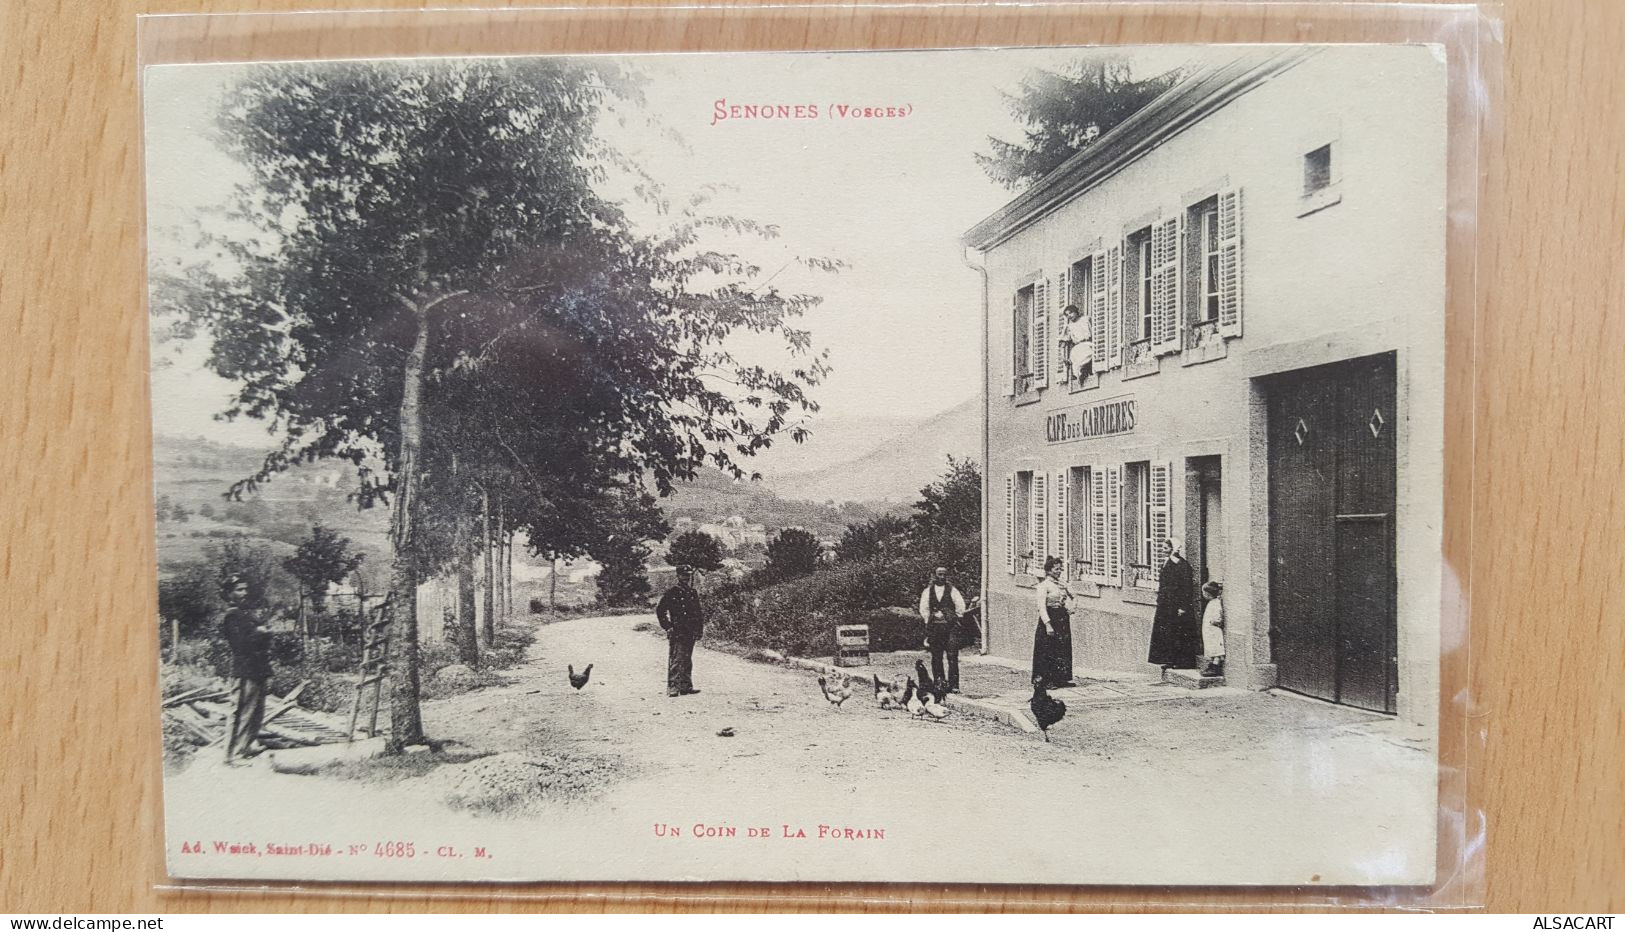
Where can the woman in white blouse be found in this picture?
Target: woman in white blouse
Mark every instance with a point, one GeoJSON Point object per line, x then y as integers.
{"type": "Point", "coordinates": [1052, 640]}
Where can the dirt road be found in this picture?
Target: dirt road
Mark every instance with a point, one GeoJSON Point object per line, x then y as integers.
{"type": "Point", "coordinates": [1244, 788]}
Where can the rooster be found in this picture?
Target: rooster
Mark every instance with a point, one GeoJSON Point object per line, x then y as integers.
{"type": "Point", "coordinates": [835, 694]}
{"type": "Point", "coordinates": [1047, 710]}
{"type": "Point", "coordinates": [578, 680]}
{"type": "Point", "coordinates": [937, 688]}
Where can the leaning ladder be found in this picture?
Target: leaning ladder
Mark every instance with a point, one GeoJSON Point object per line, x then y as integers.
{"type": "Point", "coordinates": [374, 668]}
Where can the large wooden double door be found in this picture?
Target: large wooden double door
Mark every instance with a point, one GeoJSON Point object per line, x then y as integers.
{"type": "Point", "coordinates": [1332, 490]}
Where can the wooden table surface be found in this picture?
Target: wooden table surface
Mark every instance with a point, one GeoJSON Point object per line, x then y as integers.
{"type": "Point", "coordinates": [81, 787]}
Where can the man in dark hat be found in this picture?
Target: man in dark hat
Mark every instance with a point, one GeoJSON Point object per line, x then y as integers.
{"type": "Point", "coordinates": [680, 614]}
{"type": "Point", "coordinates": [250, 644]}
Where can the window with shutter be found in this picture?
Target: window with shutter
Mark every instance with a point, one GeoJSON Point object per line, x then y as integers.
{"type": "Point", "coordinates": [1097, 524]}
{"type": "Point", "coordinates": [1063, 297]}
{"type": "Point", "coordinates": [1010, 524]}
{"type": "Point", "coordinates": [1040, 529]}
{"type": "Point", "coordinates": [1043, 297]}
{"type": "Point", "coordinates": [1114, 525]}
{"type": "Point", "coordinates": [1097, 307]}
{"type": "Point", "coordinates": [1019, 322]}
{"type": "Point", "coordinates": [1158, 517]}
{"type": "Point", "coordinates": [1165, 328]}
{"type": "Point", "coordinates": [1060, 530]}
{"type": "Point", "coordinates": [1230, 263]}
{"type": "Point", "coordinates": [1078, 528]}
{"type": "Point", "coordinates": [1114, 307]}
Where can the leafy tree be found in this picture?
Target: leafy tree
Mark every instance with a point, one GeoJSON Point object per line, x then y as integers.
{"type": "Point", "coordinates": [697, 549]}
{"type": "Point", "coordinates": [876, 539]}
{"type": "Point", "coordinates": [1064, 111]}
{"type": "Point", "coordinates": [205, 510]}
{"type": "Point", "coordinates": [953, 503]}
{"type": "Point", "coordinates": [323, 557]}
{"type": "Point", "coordinates": [179, 513]}
{"type": "Point", "coordinates": [633, 519]}
{"type": "Point", "coordinates": [792, 552]}
{"type": "Point", "coordinates": [426, 238]}
{"type": "Point", "coordinates": [190, 597]}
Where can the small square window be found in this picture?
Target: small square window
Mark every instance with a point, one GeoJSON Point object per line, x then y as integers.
{"type": "Point", "coordinates": [1317, 170]}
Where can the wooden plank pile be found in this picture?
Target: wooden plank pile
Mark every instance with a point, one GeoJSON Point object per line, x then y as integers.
{"type": "Point", "coordinates": [203, 715]}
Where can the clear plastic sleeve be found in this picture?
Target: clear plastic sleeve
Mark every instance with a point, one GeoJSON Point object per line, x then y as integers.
{"type": "Point", "coordinates": [1466, 37]}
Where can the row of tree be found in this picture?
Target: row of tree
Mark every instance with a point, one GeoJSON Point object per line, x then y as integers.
{"type": "Point", "coordinates": [434, 290]}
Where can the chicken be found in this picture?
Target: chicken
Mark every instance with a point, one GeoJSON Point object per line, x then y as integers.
{"type": "Point", "coordinates": [938, 688]}
{"type": "Point", "coordinates": [836, 694]}
{"type": "Point", "coordinates": [883, 694]}
{"type": "Point", "coordinates": [1047, 710]}
{"type": "Point", "coordinates": [934, 708]}
{"type": "Point", "coordinates": [912, 701]}
{"type": "Point", "coordinates": [578, 680]}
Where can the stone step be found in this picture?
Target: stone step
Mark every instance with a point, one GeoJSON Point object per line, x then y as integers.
{"type": "Point", "coordinates": [1191, 679]}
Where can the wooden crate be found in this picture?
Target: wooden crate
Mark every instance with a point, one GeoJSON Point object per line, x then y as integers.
{"type": "Point", "coordinates": [852, 645]}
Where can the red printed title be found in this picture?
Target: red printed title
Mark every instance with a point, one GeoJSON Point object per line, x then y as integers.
{"type": "Point", "coordinates": [701, 830]}
{"type": "Point", "coordinates": [723, 111]}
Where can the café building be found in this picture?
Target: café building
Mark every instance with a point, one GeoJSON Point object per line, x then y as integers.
{"type": "Point", "coordinates": [1256, 369]}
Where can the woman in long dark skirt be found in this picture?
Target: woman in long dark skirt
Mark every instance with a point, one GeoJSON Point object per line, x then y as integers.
{"type": "Point", "coordinates": [1176, 638]}
{"type": "Point", "coordinates": [1052, 640]}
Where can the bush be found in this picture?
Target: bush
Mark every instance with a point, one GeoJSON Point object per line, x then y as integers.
{"type": "Point", "coordinates": [799, 616]}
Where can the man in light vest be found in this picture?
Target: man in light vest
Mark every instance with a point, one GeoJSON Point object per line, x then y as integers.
{"type": "Point", "coordinates": [941, 606]}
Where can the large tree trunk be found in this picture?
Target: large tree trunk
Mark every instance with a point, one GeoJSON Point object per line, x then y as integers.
{"type": "Point", "coordinates": [468, 637]}
{"type": "Point", "coordinates": [490, 577]}
{"type": "Point", "coordinates": [405, 715]}
{"type": "Point", "coordinates": [501, 544]}
{"type": "Point", "coordinates": [509, 573]}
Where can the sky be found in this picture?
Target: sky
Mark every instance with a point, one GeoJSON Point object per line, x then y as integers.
{"type": "Point", "coordinates": [888, 196]}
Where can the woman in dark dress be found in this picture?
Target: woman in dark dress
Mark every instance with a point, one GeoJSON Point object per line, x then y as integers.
{"type": "Point", "coordinates": [1052, 640]}
{"type": "Point", "coordinates": [1176, 638]}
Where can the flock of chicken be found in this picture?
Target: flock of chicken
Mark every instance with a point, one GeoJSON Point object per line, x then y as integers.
{"type": "Point", "coordinates": [921, 700]}
{"type": "Point", "coordinates": [926, 698]}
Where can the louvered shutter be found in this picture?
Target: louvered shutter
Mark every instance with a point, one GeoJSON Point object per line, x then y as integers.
{"type": "Point", "coordinates": [1114, 525]}
{"type": "Point", "coordinates": [1097, 307]}
{"type": "Point", "coordinates": [1010, 524]}
{"type": "Point", "coordinates": [1040, 527]}
{"type": "Point", "coordinates": [1097, 523]}
{"type": "Point", "coordinates": [1165, 330]}
{"type": "Point", "coordinates": [1015, 345]}
{"type": "Point", "coordinates": [1061, 530]}
{"type": "Point", "coordinates": [1230, 263]}
{"type": "Point", "coordinates": [1161, 528]}
{"type": "Point", "coordinates": [1063, 297]}
{"type": "Point", "coordinates": [1114, 307]}
{"type": "Point", "coordinates": [1043, 297]}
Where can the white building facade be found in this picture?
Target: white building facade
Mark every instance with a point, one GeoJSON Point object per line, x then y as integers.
{"type": "Point", "coordinates": [1257, 261]}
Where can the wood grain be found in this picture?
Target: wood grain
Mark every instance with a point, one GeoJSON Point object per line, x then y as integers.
{"type": "Point", "coordinates": [1536, 526]}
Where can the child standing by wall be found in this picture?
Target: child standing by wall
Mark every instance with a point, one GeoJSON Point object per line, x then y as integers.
{"type": "Point", "coordinates": [1213, 629]}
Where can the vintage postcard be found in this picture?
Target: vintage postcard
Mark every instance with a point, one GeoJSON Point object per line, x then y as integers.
{"type": "Point", "coordinates": [994, 466]}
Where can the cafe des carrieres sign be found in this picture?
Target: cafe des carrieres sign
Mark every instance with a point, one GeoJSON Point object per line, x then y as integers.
{"type": "Point", "coordinates": [1107, 418]}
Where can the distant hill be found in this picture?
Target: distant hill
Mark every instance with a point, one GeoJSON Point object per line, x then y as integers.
{"type": "Point", "coordinates": [834, 439]}
{"type": "Point", "coordinates": [195, 473]}
{"type": "Point", "coordinates": [713, 496]}
{"type": "Point", "coordinates": [895, 466]}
